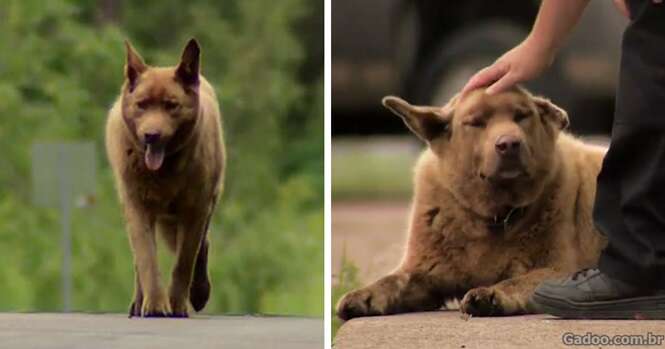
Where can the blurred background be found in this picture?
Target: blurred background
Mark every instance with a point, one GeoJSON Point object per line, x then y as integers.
{"type": "Point", "coordinates": [61, 67]}
{"type": "Point", "coordinates": [425, 51]}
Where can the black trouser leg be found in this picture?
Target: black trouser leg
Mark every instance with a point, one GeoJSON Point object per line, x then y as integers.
{"type": "Point", "coordinates": [630, 199]}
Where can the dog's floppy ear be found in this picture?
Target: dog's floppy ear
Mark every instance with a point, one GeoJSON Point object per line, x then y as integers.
{"type": "Point", "coordinates": [188, 69]}
{"type": "Point", "coordinates": [551, 112]}
{"type": "Point", "coordinates": [134, 66]}
{"type": "Point", "coordinates": [428, 123]}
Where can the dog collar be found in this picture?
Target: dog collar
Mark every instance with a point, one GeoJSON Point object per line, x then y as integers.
{"type": "Point", "coordinates": [500, 224]}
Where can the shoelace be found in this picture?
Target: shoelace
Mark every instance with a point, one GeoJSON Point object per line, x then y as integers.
{"type": "Point", "coordinates": [581, 273]}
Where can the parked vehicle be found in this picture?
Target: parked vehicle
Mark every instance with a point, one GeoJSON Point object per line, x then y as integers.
{"type": "Point", "coordinates": [425, 50]}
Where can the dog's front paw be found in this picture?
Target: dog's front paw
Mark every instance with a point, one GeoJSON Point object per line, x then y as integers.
{"type": "Point", "coordinates": [135, 307]}
{"type": "Point", "coordinates": [482, 301]}
{"type": "Point", "coordinates": [362, 302]}
{"type": "Point", "coordinates": [179, 307]}
{"type": "Point", "coordinates": [155, 306]}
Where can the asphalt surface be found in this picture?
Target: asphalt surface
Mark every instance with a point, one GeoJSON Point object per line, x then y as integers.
{"type": "Point", "coordinates": [102, 331]}
{"type": "Point", "coordinates": [448, 329]}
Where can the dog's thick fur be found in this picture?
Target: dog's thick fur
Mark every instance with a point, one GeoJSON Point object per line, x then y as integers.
{"type": "Point", "coordinates": [462, 183]}
{"type": "Point", "coordinates": [164, 143]}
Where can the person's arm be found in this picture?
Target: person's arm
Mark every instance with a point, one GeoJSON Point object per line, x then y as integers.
{"type": "Point", "coordinates": [555, 20]}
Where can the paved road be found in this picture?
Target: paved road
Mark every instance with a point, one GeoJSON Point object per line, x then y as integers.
{"type": "Point", "coordinates": [88, 331]}
{"type": "Point", "coordinates": [371, 234]}
{"type": "Point", "coordinates": [447, 329]}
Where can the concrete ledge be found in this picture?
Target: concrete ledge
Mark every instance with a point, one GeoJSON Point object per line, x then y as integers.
{"type": "Point", "coordinates": [447, 329]}
{"type": "Point", "coordinates": [86, 331]}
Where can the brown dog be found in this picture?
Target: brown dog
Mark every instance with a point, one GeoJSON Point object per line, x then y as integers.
{"type": "Point", "coordinates": [164, 142]}
{"type": "Point", "coordinates": [502, 201]}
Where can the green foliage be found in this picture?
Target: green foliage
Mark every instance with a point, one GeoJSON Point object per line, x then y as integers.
{"type": "Point", "coordinates": [374, 168]}
{"type": "Point", "coordinates": [61, 68]}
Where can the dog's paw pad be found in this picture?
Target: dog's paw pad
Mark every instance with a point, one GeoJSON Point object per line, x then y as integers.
{"type": "Point", "coordinates": [355, 304]}
{"type": "Point", "coordinates": [179, 315]}
{"type": "Point", "coordinates": [480, 301]}
{"type": "Point", "coordinates": [155, 314]}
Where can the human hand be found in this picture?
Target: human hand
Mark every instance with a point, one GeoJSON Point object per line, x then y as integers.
{"type": "Point", "coordinates": [524, 62]}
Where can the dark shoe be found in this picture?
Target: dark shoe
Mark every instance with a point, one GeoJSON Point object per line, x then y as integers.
{"type": "Point", "coordinates": [590, 294]}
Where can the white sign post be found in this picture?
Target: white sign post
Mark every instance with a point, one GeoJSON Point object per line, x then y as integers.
{"type": "Point", "coordinates": [62, 172]}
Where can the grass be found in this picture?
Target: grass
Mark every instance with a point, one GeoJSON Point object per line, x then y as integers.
{"type": "Point", "coordinates": [373, 168]}
{"type": "Point", "coordinates": [347, 281]}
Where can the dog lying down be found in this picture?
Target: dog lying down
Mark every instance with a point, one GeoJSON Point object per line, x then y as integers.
{"type": "Point", "coordinates": [502, 201]}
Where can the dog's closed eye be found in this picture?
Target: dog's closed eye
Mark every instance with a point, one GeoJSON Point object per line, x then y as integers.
{"type": "Point", "coordinates": [521, 115]}
{"type": "Point", "coordinates": [475, 123]}
{"type": "Point", "coordinates": [143, 104]}
{"type": "Point", "coordinates": [171, 105]}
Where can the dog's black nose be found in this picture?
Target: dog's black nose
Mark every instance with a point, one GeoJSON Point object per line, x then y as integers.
{"type": "Point", "coordinates": [508, 145]}
{"type": "Point", "coordinates": [151, 137]}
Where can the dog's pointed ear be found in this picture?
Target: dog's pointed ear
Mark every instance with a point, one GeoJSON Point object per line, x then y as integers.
{"type": "Point", "coordinates": [551, 112]}
{"type": "Point", "coordinates": [188, 69]}
{"type": "Point", "coordinates": [134, 66]}
{"type": "Point", "coordinates": [428, 123]}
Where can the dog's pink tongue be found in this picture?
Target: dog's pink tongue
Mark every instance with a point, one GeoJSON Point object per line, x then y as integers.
{"type": "Point", "coordinates": [154, 157]}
